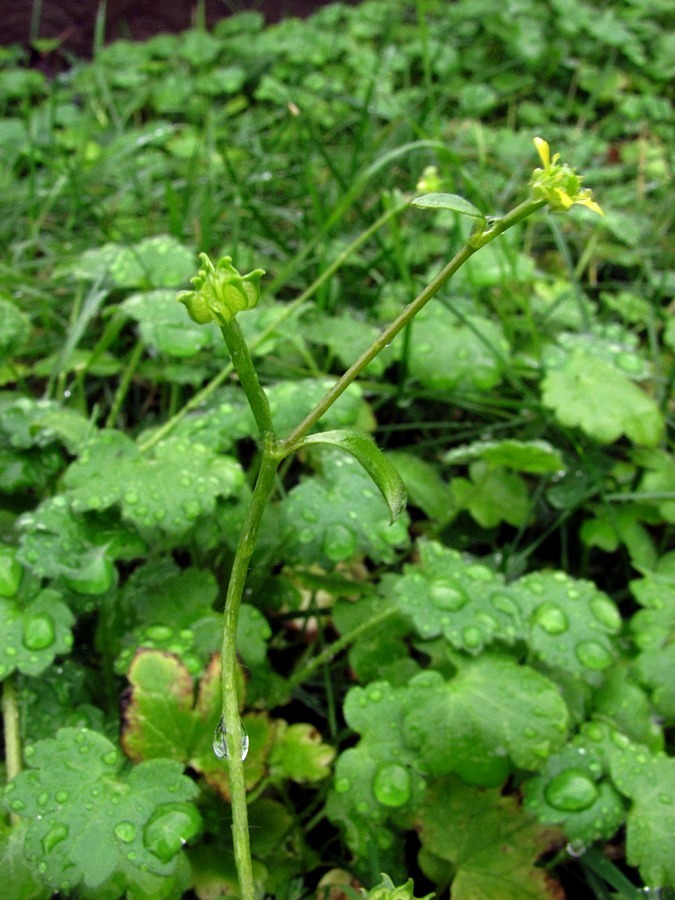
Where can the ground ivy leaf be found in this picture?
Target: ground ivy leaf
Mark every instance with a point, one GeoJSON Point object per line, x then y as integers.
{"type": "Point", "coordinates": [535, 457]}
{"type": "Point", "coordinates": [346, 335]}
{"type": "Point", "coordinates": [652, 629]}
{"type": "Point", "coordinates": [38, 423]}
{"type": "Point", "coordinates": [155, 262]}
{"type": "Point", "coordinates": [571, 624]}
{"type": "Point", "coordinates": [573, 791]}
{"type": "Point", "coordinates": [447, 353]}
{"type": "Point", "coordinates": [595, 396]}
{"type": "Point", "coordinates": [338, 515]}
{"type": "Point", "coordinates": [55, 542]}
{"type": "Point", "coordinates": [34, 630]}
{"type": "Point", "coordinates": [299, 754]}
{"type": "Point", "coordinates": [364, 449]}
{"type": "Point", "coordinates": [492, 843]}
{"type": "Point", "coordinates": [164, 326]}
{"type": "Point", "coordinates": [290, 401]}
{"type": "Point", "coordinates": [649, 781]}
{"type": "Point", "coordinates": [87, 819]}
{"type": "Point", "coordinates": [253, 632]}
{"type": "Point", "coordinates": [163, 720]}
{"type": "Point", "coordinates": [492, 495]}
{"type": "Point", "coordinates": [463, 600]}
{"type": "Point", "coordinates": [168, 490]}
{"type": "Point", "coordinates": [492, 710]}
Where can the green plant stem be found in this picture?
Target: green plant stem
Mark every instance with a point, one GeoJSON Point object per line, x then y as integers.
{"type": "Point", "coordinates": [474, 243]}
{"type": "Point", "coordinates": [247, 540]}
{"type": "Point", "coordinates": [12, 730]}
{"type": "Point", "coordinates": [123, 386]}
{"type": "Point", "coordinates": [201, 396]}
{"type": "Point", "coordinates": [243, 365]}
{"type": "Point", "coordinates": [332, 650]}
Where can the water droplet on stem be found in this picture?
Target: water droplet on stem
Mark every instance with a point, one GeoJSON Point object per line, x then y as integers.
{"type": "Point", "coordinates": [220, 741]}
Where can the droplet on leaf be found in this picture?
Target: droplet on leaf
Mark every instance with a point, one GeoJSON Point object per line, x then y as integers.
{"type": "Point", "coordinates": [339, 543]}
{"type": "Point", "coordinates": [551, 619]}
{"type": "Point", "coordinates": [169, 828]}
{"type": "Point", "coordinates": [392, 785]}
{"type": "Point", "coordinates": [53, 837]}
{"type": "Point", "coordinates": [593, 655]}
{"type": "Point", "coordinates": [606, 613]}
{"type": "Point", "coordinates": [571, 791]}
{"type": "Point", "coordinates": [39, 632]}
{"type": "Point", "coordinates": [126, 832]}
{"type": "Point", "coordinates": [446, 595]}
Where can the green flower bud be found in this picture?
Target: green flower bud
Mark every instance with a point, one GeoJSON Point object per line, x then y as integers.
{"type": "Point", "coordinates": [220, 291]}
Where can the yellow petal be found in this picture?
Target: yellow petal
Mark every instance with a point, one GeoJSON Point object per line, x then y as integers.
{"type": "Point", "coordinates": [585, 199]}
{"type": "Point", "coordinates": [563, 199]}
{"type": "Point", "coordinates": [543, 150]}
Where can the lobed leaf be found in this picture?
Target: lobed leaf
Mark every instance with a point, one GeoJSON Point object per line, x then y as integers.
{"type": "Point", "coordinates": [89, 820]}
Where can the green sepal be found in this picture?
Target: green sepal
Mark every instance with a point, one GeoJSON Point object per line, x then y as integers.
{"type": "Point", "coordinates": [364, 449]}
{"type": "Point", "coordinates": [220, 291]}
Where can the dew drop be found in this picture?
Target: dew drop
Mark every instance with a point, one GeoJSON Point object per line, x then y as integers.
{"type": "Point", "coordinates": [504, 604]}
{"type": "Point", "coordinates": [576, 849]}
{"type": "Point", "coordinates": [220, 741]}
{"type": "Point", "coordinates": [131, 497]}
{"type": "Point", "coordinates": [62, 796]}
{"type": "Point", "coordinates": [169, 828]}
{"type": "Point", "coordinates": [342, 785]}
{"type": "Point", "coordinates": [472, 637]}
{"type": "Point", "coordinates": [53, 837]}
{"type": "Point", "coordinates": [551, 619]}
{"type": "Point", "coordinates": [339, 543]}
{"type": "Point", "coordinates": [159, 632]}
{"type": "Point", "coordinates": [446, 595]}
{"type": "Point", "coordinates": [593, 655]}
{"type": "Point", "coordinates": [606, 613]}
{"type": "Point", "coordinates": [392, 785]}
{"type": "Point", "coordinates": [39, 632]}
{"type": "Point", "coordinates": [126, 832]}
{"type": "Point", "coordinates": [571, 791]}
{"type": "Point", "coordinates": [17, 805]}
{"type": "Point", "coordinates": [110, 758]}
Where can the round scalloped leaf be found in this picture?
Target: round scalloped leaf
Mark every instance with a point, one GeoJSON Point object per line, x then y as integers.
{"type": "Point", "coordinates": [168, 491]}
{"type": "Point", "coordinates": [595, 396]}
{"type": "Point", "coordinates": [649, 781]}
{"type": "Point", "coordinates": [290, 401]}
{"type": "Point", "coordinates": [339, 515]}
{"type": "Point", "coordinates": [571, 791]}
{"type": "Point", "coordinates": [463, 600]}
{"type": "Point", "coordinates": [33, 633]}
{"type": "Point", "coordinates": [492, 495]}
{"type": "Point", "coordinates": [449, 353]}
{"type": "Point", "coordinates": [493, 710]}
{"type": "Point", "coordinates": [88, 820]}
{"type": "Point", "coordinates": [163, 325]}
{"type": "Point", "coordinates": [55, 542]}
{"type": "Point", "coordinates": [298, 753]}
{"type": "Point", "coordinates": [535, 457]}
{"type": "Point", "coordinates": [571, 623]}
{"type": "Point", "coordinates": [492, 843]}
{"type": "Point", "coordinates": [155, 262]}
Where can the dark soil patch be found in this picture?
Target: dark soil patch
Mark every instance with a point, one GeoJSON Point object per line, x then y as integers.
{"type": "Point", "coordinates": [72, 22]}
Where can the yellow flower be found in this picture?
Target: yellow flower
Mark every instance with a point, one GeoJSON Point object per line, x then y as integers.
{"type": "Point", "coordinates": [559, 184]}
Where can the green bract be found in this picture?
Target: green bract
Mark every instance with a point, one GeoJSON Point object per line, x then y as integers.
{"type": "Point", "coordinates": [221, 291]}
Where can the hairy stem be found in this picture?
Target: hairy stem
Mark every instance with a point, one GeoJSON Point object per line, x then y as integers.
{"type": "Point", "coordinates": [230, 709]}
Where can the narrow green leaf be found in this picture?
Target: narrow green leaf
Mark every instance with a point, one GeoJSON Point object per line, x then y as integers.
{"type": "Point", "coordinates": [363, 448]}
{"type": "Point", "coordinates": [448, 201]}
